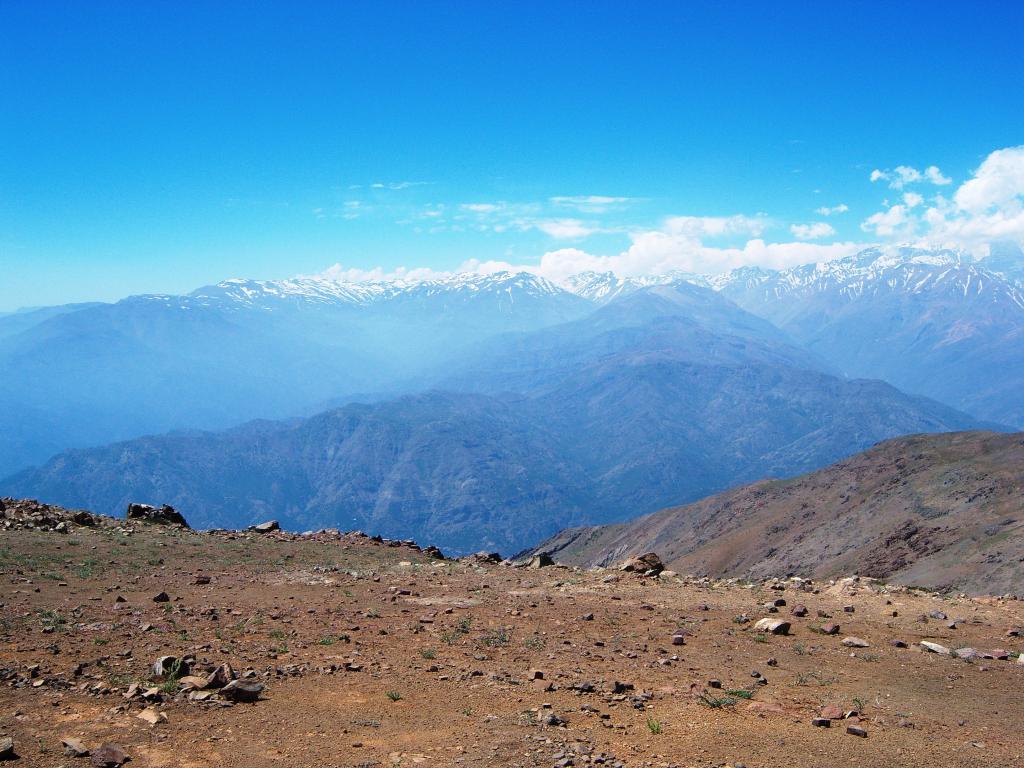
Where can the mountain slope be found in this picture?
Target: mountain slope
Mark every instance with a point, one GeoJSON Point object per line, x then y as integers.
{"type": "Point", "coordinates": [241, 350]}
{"type": "Point", "coordinates": [631, 419]}
{"type": "Point", "coordinates": [931, 510]}
{"type": "Point", "coordinates": [930, 322]}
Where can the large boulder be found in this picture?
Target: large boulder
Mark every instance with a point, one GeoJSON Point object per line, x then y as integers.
{"type": "Point", "coordinates": [542, 560]}
{"type": "Point", "coordinates": [648, 564]}
{"type": "Point", "coordinates": [268, 527]}
{"type": "Point", "coordinates": [165, 515]}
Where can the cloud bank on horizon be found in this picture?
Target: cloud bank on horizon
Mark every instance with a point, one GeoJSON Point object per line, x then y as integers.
{"type": "Point", "coordinates": [986, 208]}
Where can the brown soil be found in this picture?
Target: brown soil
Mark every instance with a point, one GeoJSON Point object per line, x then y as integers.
{"type": "Point", "coordinates": [454, 644]}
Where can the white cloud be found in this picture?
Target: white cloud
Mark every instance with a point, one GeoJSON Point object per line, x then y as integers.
{"type": "Point", "coordinates": [998, 182]}
{"type": "Point", "coordinates": [934, 175]}
{"type": "Point", "coordinates": [589, 203]}
{"type": "Point", "coordinates": [395, 185]}
{"type": "Point", "coordinates": [812, 231]}
{"type": "Point", "coordinates": [482, 207]}
{"type": "Point", "coordinates": [835, 209]}
{"type": "Point", "coordinates": [563, 229]}
{"type": "Point", "coordinates": [680, 244]}
{"type": "Point", "coordinates": [901, 175]}
{"type": "Point", "coordinates": [987, 207]}
{"type": "Point", "coordinates": [895, 222]}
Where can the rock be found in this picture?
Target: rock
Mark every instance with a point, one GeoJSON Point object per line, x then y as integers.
{"type": "Point", "coordinates": [167, 665]}
{"type": "Point", "coordinates": [967, 654]}
{"type": "Point", "coordinates": [830, 629]}
{"type": "Point", "coordinates": [855, 642]}
{"type": "Point", "coordinates": [772, 626]}
{"type": "Point", "coordinates": [74, 748]}
{"type": "Point", "coordinates": [648, 564]}
{"type": "Point", "coordinates": [268, 527]}
{"type": "Point", "coordinates": [220, 677]}
{"type": "Point", "coordinates": [542, 560]}
{"type": "Point", "coordinates": [7, 749]}
{"type": "Point", "coordinates": [202, 581]}
{"type": "Point", "coordinates": [678, 639]}
{"type": "Point", "coordinates": [898, 643]}
{"type": "Point", "coordinates": [821, 722]}
{"type": "Point", "coordinates": [242, 690]}
{"type": "Point", "coordinates": [165, 515]}
{"type": "Point", "coordinates": [937, 615]}
{"type": "Point", "coordinates": [831, 712]}
{"type": "Point", "coordinates": [152, 716]}
{"type": "Point", "coordinates": [161, 597]}
{"type": "Point", "coordinates": [934, 647]}
{"type": "Point", "coordinates": [193, 682]}
{"type": "Point", "coordinates": [799, 610]}
{"type": "Point", "coordinates": [484, 557]}
{"type": "Point", "coordinates": [856, 730]}
{"type": "Point", "coordinates": [109, 756]}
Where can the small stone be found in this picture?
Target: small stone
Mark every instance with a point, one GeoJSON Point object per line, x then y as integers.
{"type": "Point", "coordinates": [898, 643]}
{"type": "Point", "coordinates": [167, 665]}
{"type": "Point", "coordinates": [821, 722]}
{"type": "Point", "coordinates": [830, 629]}
{"type": "Point", "coordinates": [161, 597]}
{"type": "Point", "coordinates": [799, 610]}
{"type": "Point", "coordinates": [856, 730]}
{"type": "Point", "coordinates": [832, 712]}
{"type": "Point", "coordinates": [109, 756]}
{"type": "Point", "coordinates": [855, 642]}
{"type": "Point", "coordinates": [152, 716]}
{"type": "Point", "coordinates": [772, 626]}
{"type": "Point", "coordinates": [7, 749]}
{"type": "Point", "coordinates": [934, 648]}
{"type": "Point", "coordinates": [241, 690]}
{"type": "Point", "coordinates": [848, 609]}
{"type": "Point", "coordinates": [74, 748]}
{"type": "Point", "coordinates": [268, 527]}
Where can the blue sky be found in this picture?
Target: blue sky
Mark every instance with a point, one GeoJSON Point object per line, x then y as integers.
{"type": "Point", "coordinates": [156, 147]}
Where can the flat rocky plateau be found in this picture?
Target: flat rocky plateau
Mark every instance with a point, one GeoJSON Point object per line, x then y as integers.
{"type": "Point", "coordinates": [374, 653]}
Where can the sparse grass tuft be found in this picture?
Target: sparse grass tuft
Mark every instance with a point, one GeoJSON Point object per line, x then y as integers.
{"type": "Point", "coordinates": [394, 695]}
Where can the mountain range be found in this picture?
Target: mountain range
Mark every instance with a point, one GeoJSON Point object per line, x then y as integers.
{"type": "Point", "coordinates": [937, 511]}
{"type": "Point", "coordinates": [492, 410]}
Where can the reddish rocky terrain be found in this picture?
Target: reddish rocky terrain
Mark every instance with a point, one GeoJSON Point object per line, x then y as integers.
{"type": "Point", "coordinates": [373, 653]}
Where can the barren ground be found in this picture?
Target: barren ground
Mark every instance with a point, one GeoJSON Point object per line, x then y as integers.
{"type": "Point", "coordinates": [440, 656]}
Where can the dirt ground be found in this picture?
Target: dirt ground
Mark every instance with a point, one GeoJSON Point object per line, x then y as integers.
{"type": "Point", "coordinates": [373, 654]}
